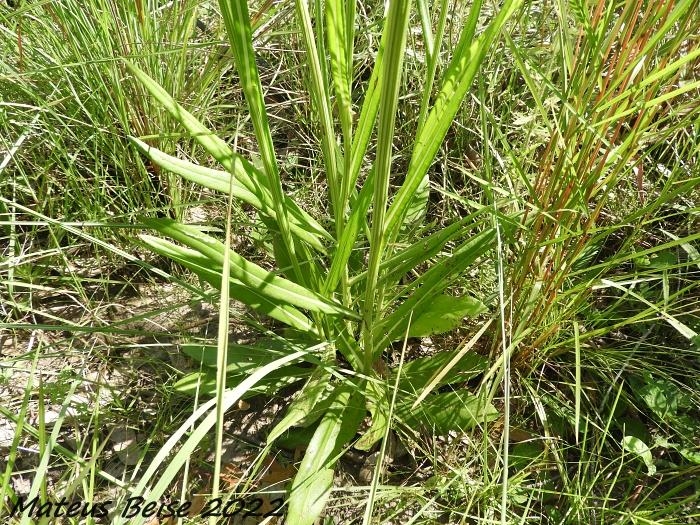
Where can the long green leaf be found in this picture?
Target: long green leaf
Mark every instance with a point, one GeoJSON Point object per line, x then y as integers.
{"type": "Point", "coordinates": [459, 75]}
{"type": "Point", "coordinates": [394, 268]}
{"type": "Point", "coordinates": [321, 99]}
{"type": "Point", "coordinates": [249, 273]}
{"type": "Point", "coordinates": [349, 235]}
{"type": "Point", "coordinates": [338, 44]}
{"type": "Point", "coordinates": [368, 116]}
{"type": "Point", "coordinates": [313, 483]}
{"type": "Point", "coordinates": [444, 313]}
{"type": "Point", "coordinates": [301, 223]}
{"type": "Point", "coordinates": [203, 268]}
{"type": "Point", "coordinates": [378, 403]}
{"type": "Point", "coordinates": [205, 382]}
{"type": "Point", "coordinates": [419, 202]}
{"type": "Point", "coordinates": [240, 355]}
{"type": "Point", "coordinates": [315, 390]}
{"type": "Point", "coordinates": [237, 21]}
{"type": "Point", "coordinates": [238, 166]}
{"type": "Point", "coordinates": [445, 412]}
{"type": "Point", "coordinates": [194, 437]}
{"type": "Point", "coordinates": [396, 28]}
{"type": "Point", "coordinates": [418, 373]}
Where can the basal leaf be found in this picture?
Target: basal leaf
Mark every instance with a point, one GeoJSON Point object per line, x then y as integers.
{"type": "Point", "coordinates": [443, 314]}
{"type": "Point", "coordinates": [248, 273]}
{"type": "Point", "coordinates": [253, 179]}
{"type": "Point", "coordinates": [265, 351]}
{"type": "Point", "coordinates": [301, 223]}
{"type": "Point", "coordinates": [378, 401]}
{"type": "Point", "coordinates": [318, 82]}
{"type": "Point", "coordinates": [271, 384]}
{"type": "Point", "coordinates": [396, 32]}
{"type": "Point", "coordinates": [250, 177]}
{"type": "Point", "coordinates": [662, 397]}
{"type": "Point", "coordinates": [637, 447]}
{"type": "Point", "coordinates": [368, 116]}
{"type": "Point", "coordinates": [316, 390]}
{"type": "Point", "coordinates": [441, 413]}
{"type": "Point", "coordinates": [416, 374]}
{"type": "Point", "coordinates": [312, 484]}
{"type": "Point", "coordinates": [431, 284]}
{"type": "Point", "coordinates": [691, 455]}
{"type": "Point", "coordinates": [347, 240]}
{"type": "Point", "coordinates": [203, 268]}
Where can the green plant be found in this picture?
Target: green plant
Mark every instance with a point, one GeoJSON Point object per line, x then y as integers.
{"type": "Point", "coordinates": [338, 306]}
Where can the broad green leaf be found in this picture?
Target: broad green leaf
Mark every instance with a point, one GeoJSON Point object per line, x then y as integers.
{"type": "Point", "coordinates": [378, 404]}
{"type": "Point", "coordinates": [430, 284]}
{"type": "Point", "coordinates": [205, 382]}
{"type": "Point", "coordinates": [662, 397]}
{"type": "Point", "coordinates": [205, 270]}
{"type": "Point", "coordinates": [248, 273]}
{"type": "Point", "coordinates": [417, 373]}
{"type": "Point", "coordinates": [301, 223]}
{"type": "Point", "coordinates": [526, 454]}
{"type": "Point", "coordinates": [691, 455]}
{"type": "Point", "coordinates": [262, 352]}
{"type": "Point", "coordinates": [447, 411]}
{"type": "Point", "coordinates": [316, 390]}
{"type": "Point", "coordinates": [238, 355]}
{"type": "Point", "coordinates": [443, 314]}
{"type": "Point", "coordinates": [295, 438]}
{"type": "Point", "coordinates": [207, 177]}
{"type": "Point", "coordinates": [448, 368]}
{"type": "Point", "coordinates": [312, 484]}
{"type": "Point", "coordinates": [639, 448]}
{"type": "Point", "coordinates": [307, 501]}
